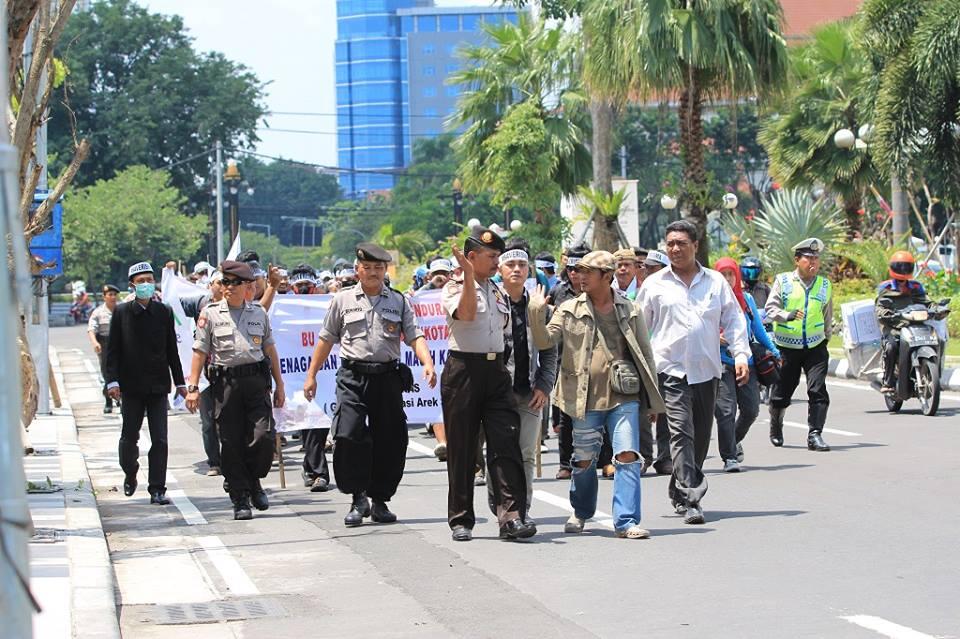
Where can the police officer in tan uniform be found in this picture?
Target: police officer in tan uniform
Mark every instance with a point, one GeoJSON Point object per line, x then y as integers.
{"type": "Point", "coordinates": [368, 321]}
{"type": "Point", "coordinates": [477, 393]}
{"type": "Point", "coordinates": [236, 335]}
{"type": "Point", "coordinates": [98, 330]}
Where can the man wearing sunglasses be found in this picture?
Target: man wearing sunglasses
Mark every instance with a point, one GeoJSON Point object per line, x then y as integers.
{"type": "Point", "coordinates": [235, 334]}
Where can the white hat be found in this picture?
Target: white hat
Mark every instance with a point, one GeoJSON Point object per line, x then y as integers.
{"type": "Point", "coordinates": [657, 257]}
{"type": "Point", "coordinates": [514, 254]}
{"type": "Point", "coordinates": [139, 267]}
{"type": "Point", "coordinates": [216, 277]}
{"type": "Point", "coordinates": [440, 265]}
{"type": "Point", "coordinates": [202, 267]}
{"type": "Point", "coordinates": [348, 272]}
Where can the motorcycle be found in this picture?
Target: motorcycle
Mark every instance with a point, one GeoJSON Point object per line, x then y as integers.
{"type": "Point", "coordinates": [920, 356]}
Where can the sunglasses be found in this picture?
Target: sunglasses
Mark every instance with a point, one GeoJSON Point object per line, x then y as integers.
{"type": "Point", "coordinates": [230, 281]}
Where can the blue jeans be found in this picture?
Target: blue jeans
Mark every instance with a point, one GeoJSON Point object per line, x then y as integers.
{"type": "Point", "coordinates": [623, 424]}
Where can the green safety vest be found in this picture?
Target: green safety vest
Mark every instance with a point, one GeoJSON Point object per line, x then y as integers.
{"type": "Point", "coordinates": [809, 331]}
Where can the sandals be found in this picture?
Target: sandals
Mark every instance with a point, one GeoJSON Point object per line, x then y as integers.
{"type": "Point", "coordinates": [634, 532]}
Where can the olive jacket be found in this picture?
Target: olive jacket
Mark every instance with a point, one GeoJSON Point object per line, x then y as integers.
{"type": "Point", "coordinates": [573, 323]}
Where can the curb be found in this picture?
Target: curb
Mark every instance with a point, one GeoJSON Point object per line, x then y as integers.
{"type": "Point", "coordinates": [949, 380]}
{"type": "Point", "coordinates": [93, 602]}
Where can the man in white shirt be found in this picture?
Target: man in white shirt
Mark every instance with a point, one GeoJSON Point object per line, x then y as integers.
{"type": "Point", "coordinates": [686, 308]}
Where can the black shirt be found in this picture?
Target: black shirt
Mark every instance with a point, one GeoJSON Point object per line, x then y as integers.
{"type": "Point", "coordinates": [521, 349]}
{"type": "Point", "coordinates": [142, 350]}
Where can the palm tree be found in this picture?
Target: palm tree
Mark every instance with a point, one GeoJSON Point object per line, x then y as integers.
{"type": "Point", "coordinates": [696, 51]}
{"type": "Point", "coordinates": [826, 72]}
{"type": "Point", "coordinates": [526, 62]}
{"type": "Point", "coordinates": [913, 92]}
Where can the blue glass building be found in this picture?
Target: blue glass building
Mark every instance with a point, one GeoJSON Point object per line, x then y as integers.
{"type": "Point", "coordinates": [393, 58]}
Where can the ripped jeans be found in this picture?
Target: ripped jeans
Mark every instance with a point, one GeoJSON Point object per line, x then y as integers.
{"type": "Point", "coordinates": [623, 424]}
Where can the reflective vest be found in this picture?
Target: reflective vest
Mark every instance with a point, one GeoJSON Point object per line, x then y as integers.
{"type": "Point", "coordinates": [809, 331]}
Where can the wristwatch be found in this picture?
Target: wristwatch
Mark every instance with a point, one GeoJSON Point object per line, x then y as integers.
{"type": "Point", "coordinates": [192, 389]}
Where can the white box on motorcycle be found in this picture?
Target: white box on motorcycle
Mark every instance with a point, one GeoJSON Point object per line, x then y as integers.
{"type": "Point", "coordinates": [860, 325]}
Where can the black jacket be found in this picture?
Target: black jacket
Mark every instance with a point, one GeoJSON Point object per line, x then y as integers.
{"type": "Point", "coordinates": [142, 350]}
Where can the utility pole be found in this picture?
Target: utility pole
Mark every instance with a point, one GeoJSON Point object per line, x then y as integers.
{"type": "Point", "coordinates": [15, 598]}
{"type": "Point", "coordinates": [901, 212]}
{"type": "Point", "coordinates": [623, 161]}
{"type": "Point", "coordinates": [219, 147]}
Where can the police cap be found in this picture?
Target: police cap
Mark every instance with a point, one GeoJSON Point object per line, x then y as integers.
{"type": "Point", "coordinates": [482, 237]}
{"type": "Point", "coordinates": [810, 246]}
{"type": "Point", "coordinates": [237, 270]}
{"type": "Point", "coordinates": [369, 252]}
{"type": "Point", "coordinates": [110, 287]}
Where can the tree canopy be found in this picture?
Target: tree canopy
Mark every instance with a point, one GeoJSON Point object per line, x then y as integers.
{"type": "Point", "coordinates": [134, 216]}
{"type": "Point", "coordinates": [141, 94]}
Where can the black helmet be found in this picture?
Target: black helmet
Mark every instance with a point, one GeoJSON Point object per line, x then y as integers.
{"type": "Point", "coordinates": [751, 269]}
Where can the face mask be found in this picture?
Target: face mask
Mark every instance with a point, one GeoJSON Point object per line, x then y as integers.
{"type": "Point", "coordinates": [145, 291]}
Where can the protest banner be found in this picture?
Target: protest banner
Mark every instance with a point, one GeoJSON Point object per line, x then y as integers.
{"type": "Point", "coordinates": [172, 288]}
{"type": "Point", "coordinates": [296, 321]}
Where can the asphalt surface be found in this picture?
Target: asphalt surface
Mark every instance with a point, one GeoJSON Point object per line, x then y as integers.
{"type": "Point", "coordinates": [857, 542]}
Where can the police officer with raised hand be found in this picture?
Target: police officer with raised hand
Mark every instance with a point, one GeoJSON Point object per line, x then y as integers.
{"type": "Point", "coordinates": [477, 392]}
{"type": "Point", "coordinates": [801, 309]}
{"type": "Point", "coordinates": [236, 336]}
{"type": "Point", "coordinates": [369, 425]}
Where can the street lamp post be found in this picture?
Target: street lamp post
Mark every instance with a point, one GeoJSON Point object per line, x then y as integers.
{"type": "Point", "coordinates": [251, 225]}
{"type": "Point", "coordinates": [235, 182]}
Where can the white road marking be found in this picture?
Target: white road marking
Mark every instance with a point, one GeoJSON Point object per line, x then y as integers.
{"type": "Point", "coordinates": [233, 574]}
{"type": "Point", "coordinates": [886, 628]}
{"type": "Point", "coordinates": [603, 519]}
{"type": "Point", "coordinates": [833, 431]}
{"type": "Point", "coordinates": [860, 387]}
{"type": "Point", "coordinates": [89, 366]}
{"type": "Point", "coordinates": [420, 448]}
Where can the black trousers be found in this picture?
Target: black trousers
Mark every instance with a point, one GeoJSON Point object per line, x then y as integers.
{"type": "Point", "coordinates": [133, 409]}
{"type": "Point", "coordinates": [891, 352]}
{"type": "Point", "coordinates": [314, 454]}
{"type": "Point", "coordinates": [662, 438]}
{"type": "Point", "coordinates": [690, 419]}
{"type": "Point", "coordinates": [477, 395]}
{"type": "Point", "coordinates": [813, 363]}
{"type": "Point", "coordinates": [208, 429]}
{"type": "Point", "coordinates": [565, 444]}
{"type": "Point", "coordinates": [102, 358]}
{"type": "Point", "coordinates": [370, 429]}
{"type": "Point", "coordinates": [243, 415]}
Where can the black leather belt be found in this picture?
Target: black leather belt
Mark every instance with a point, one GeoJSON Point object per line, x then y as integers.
{"type": "Point", "coordinates": [244, 370]}
{"type": "Point", "coordinates": [487, 357]}
{"type": "Point", "coordinates": [370, 368]}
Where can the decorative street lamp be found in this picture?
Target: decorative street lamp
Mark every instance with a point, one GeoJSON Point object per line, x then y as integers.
{"type": "Point", "coordinates": [235, 182]}
{"type": "Point", "coordinates": [668, 202]}
{"type": "Point", "coordinates": [844, 139]}
{"type": "Point", "coordinates": [729, 201]}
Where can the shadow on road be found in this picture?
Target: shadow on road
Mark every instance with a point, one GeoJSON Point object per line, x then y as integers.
{"type": "Point", "coordinates": [752, 469]}
{"type": "Point", "coordinates": [715, 515]}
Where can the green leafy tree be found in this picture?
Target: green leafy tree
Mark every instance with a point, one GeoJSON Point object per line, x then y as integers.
{"type": "Point", "coordinates": [141, 94]}
{"type": "Point", "coordinates": [132, 217]}
{"type": "Point", "coordinates": [912, 95]}
{"type": "Point", "coordinates": [826, 73]}
{"type": "Point", "coordinates": [523, 63]}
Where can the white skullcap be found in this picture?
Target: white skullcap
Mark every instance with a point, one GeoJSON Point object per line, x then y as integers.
{"type": "Point", "coordinates": [139, 267]}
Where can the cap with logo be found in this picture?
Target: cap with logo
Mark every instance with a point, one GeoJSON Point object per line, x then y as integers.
{"type": "Point", "coordinates": [138, 268]}
{"type": "Point", "coordinates": [484, 238]}
{"type": "Point", "coordinates": [810, 246]}
{"type": "Point", "coordinates": [237, 270]}
{"type": "Point", "coordinates": [440, 266]}
{"type": "Point", "coordinates": [369, 252]}
{"type": "Point", "coordinates": [599, 260]}
{"type": "Point", "coordinates": [656, 258]}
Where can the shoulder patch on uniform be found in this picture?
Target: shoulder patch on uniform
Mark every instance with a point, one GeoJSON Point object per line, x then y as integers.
{"type": "Point", "coordinates": [202, 322]}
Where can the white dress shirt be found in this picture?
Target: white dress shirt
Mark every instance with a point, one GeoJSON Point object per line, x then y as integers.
{"type": "Point", "coordinates": [685, 323]}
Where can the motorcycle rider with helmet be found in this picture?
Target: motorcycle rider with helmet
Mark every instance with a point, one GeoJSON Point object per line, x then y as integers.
{"type": "Point", "coordinates": [750, 271]}
{"type": "Point", "coordinates": [904, 291]}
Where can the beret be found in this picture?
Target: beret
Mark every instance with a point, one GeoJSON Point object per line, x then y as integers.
{"type": "Point", "coordinates": [239, 270]}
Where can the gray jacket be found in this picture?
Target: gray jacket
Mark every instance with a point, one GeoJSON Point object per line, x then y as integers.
{"type": "Point", "coordinates": [543, 363]}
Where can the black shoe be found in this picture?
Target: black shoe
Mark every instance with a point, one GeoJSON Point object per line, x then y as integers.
{"type": "Point", "coordinates": [664, 467]}
{"type": "Point", "coordinates": [517, 529]}
{"type": "Point", "coordinates": [381, 514]}
{"type": "Point", "coordinates": [307, 479]}
{"type": "Point", "coordinates": [241, 508]}
{"type": "Point", "coordinates": [107, 409]}
{"type": "Point", "coordinates": [359, 509]}
{"type": "Point", "coordinates": [159, 498]}
{"type": "Point", "coordinates": [319, 485]}
{"type": "Point", "coordinates": [258, 497]}
{"type": "Point", "coordinates": [776, 426]}
{"type": "Point", "coordinates": [461, 533]}
{"type": "Point", "coordinates": [129, 485]}
{"type": "Point", "coordinates": [815, 442]}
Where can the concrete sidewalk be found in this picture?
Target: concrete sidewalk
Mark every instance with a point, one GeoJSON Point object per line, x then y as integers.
{"type": "Point", "coordinates": [840, 367]}
{"type": "Point", "coordinates": [70, 571]}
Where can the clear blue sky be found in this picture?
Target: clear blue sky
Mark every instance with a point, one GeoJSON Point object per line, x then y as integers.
{"type": "Point", "coordinates": [288, 43]}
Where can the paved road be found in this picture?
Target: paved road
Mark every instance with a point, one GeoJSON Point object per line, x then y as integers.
{"type": "Point", "coordinates": [859, 542]}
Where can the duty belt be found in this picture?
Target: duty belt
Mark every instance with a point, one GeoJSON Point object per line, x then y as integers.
{"type": "Point", "coordinates": [489, 357]}
{"type": "Point", "coordinates": [244, 370]}
{"type": "Point", "coordinates": [370, 368]}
